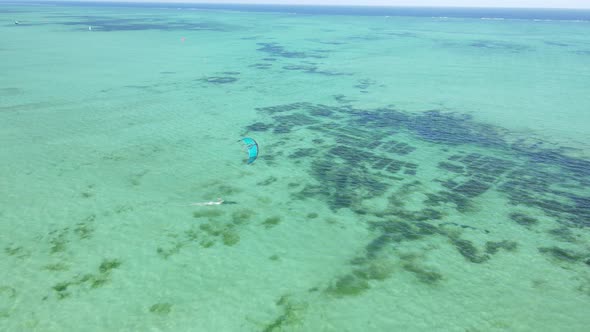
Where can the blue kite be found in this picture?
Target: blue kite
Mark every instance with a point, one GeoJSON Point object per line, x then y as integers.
{"type": "Point", "coordinates": [252, 147]}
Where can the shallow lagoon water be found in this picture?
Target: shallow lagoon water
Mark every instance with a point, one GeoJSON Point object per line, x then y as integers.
{"type": "Point", "coordinates": [416, 173]}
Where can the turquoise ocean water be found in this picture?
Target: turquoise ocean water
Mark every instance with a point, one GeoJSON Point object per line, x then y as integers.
{"type": "Point", "coordinates": [419, 171]}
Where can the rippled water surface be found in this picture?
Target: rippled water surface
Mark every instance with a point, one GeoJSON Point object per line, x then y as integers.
{"type": "Point", "coordinates": [416, 172]}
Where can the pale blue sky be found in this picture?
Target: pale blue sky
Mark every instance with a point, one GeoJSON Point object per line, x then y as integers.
{"type": "Point", "coordinates": [432, 3]}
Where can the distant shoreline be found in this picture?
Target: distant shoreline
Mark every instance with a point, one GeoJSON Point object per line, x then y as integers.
{"type": "Point", "coordinates": [442, 12]}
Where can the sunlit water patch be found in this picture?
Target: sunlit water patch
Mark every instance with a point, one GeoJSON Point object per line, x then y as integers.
{"type": "Point", "coordinates": [415, 173]}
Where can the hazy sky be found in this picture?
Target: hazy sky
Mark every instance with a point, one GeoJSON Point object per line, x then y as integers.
{"type": "Point", "coordinates": [433, 3]}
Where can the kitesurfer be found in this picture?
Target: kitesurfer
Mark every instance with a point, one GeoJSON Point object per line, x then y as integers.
{"type": "Point", "coordinates": [219, 201]}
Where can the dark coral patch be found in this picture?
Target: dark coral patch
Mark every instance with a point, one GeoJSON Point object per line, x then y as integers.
{"type": "Point", "coordinates": [261, 65]}
{"type": "Point", "coordinates": [493, 247]}
{"type": "Point", "coordinates": [348, 285]}
{"type": "Point", "coordinates": [495, 45]}
{"type": "Point", "coordinates": [219, 79]}
{"type": "Point", "coordinates": [561, 254]}
{"type": "Point", "coordinates": [259, 126]}
{"type": "Point", "coordinates": [451, 167]}
{"type": "Point", "coordinates": [472, 188]}
{"type": "Point", "coordinates": [468, 250]}
{"type": "Point", "coordinates": [276, 50]}
{"type": "Point", "coordinates": [363, 156]}
{"type": "Point", "coordinates": [523, 219]}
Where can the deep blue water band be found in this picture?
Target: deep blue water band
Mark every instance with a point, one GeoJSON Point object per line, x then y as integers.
{"type": "Point", "coordinates": [455, 12]}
